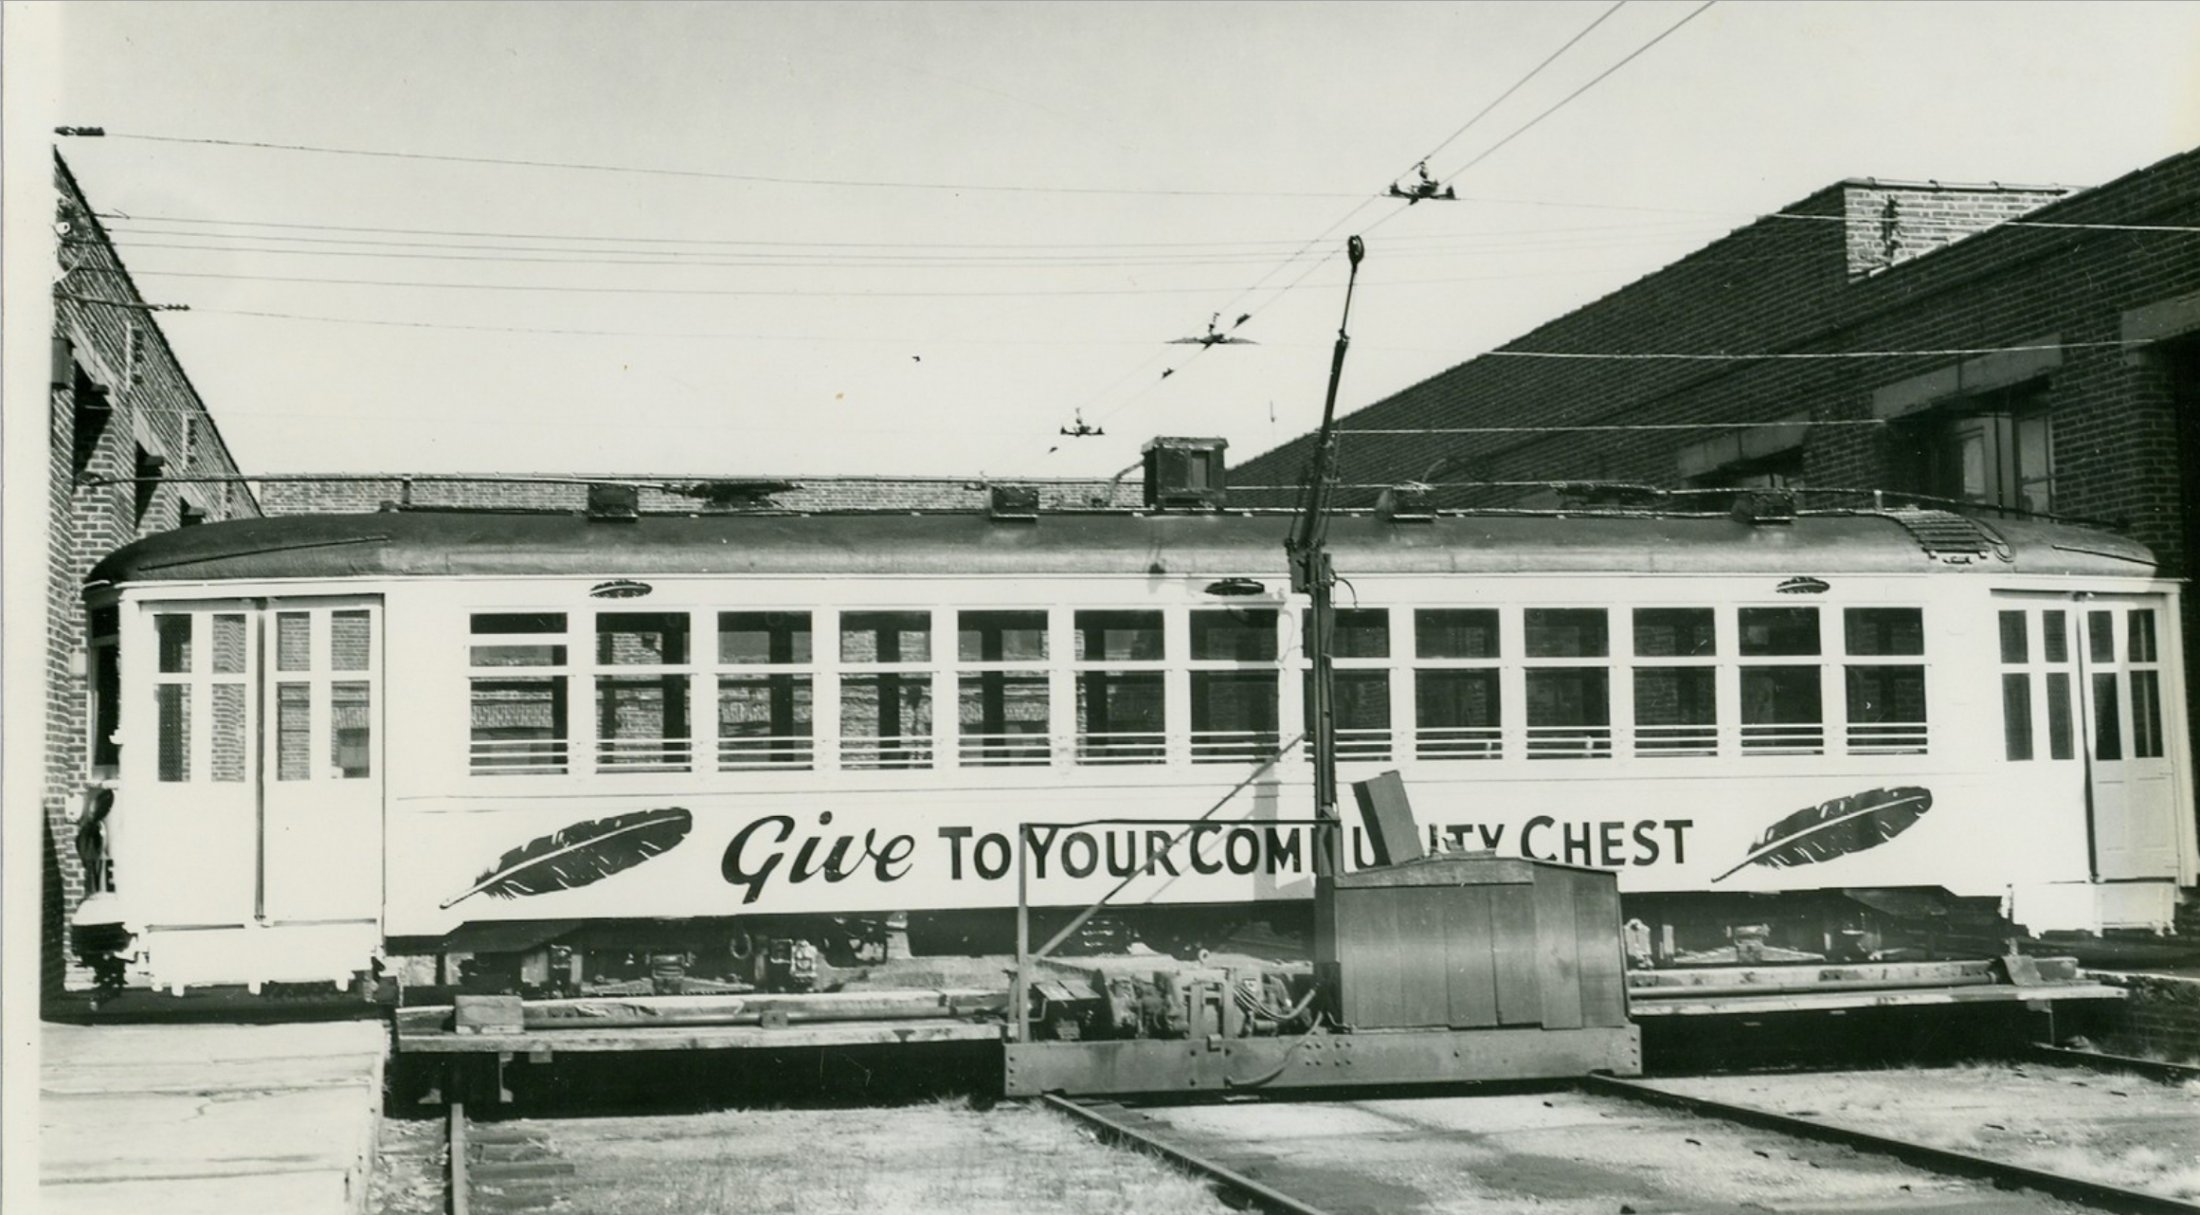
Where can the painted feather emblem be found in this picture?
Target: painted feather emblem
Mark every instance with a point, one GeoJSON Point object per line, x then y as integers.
{"type": "Point", "coordinates": [581, 854]}
{"type": "Point", "coordinates": [1836, 828]}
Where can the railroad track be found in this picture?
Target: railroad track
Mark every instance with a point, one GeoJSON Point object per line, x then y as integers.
{"type": "Point", "coordinates": [492, 1169]}
{"type": "Point", "coordinates": [1289, 1176]}
{"type": "Point", "coordinates": [2152, 1069]}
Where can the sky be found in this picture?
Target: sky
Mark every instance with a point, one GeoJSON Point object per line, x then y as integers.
{"type": "Point", "coordinates": [804, 239]}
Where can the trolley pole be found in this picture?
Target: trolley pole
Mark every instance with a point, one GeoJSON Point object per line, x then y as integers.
{"type": "Point", "coordinates": [1312, 575]}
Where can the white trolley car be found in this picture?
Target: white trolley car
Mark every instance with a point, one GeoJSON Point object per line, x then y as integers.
{"type": "Point", "coordinates": [334, 739]}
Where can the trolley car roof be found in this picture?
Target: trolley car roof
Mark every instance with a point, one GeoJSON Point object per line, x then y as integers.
{"type": "Point", "coordinates": [424, 544]}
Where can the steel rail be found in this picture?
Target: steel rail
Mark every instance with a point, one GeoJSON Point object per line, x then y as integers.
{"type": "Point", "coordinates": [2152, 1069]}
{"type": "Point", "coordinates": [2002, 1174]}
{"type": "Point", "coordinates": [455, 1173]}
{"type": "Point", "coordinates": [1266, 1198]}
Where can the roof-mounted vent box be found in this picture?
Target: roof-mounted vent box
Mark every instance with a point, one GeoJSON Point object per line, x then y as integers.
{"type": "Point", "coordinates": [1013, 503]}
{"type": "Point", "coordinates": [1184, 474]}
{"type": "Point", "coordinates": [614, 503]}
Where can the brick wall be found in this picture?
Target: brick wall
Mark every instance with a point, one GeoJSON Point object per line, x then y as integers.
{"type": "Point", "coordinates": [828, 493]}
{"type": "Point", "coordinates": [2159, 1018]}
{"type": "Point", "coordinates": [1941, 271]}
{"type": "Point", "coordinates": [100, 343]}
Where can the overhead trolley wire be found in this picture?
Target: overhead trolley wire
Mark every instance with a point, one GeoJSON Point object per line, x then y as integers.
{"type": "Point", "coordinates": [842, 183]}
{"type": "Point", "coordinates": [1599, 78]}
{"type": "Point", "coordinates": [1324, 234]}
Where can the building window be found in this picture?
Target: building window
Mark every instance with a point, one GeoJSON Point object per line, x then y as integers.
{"type": "Point", "coordinates": [1781, 471]}
{"type": "Point", "coordinates": [1456, 710]}
{"type": "Point", "coordinates": [1676, 682]}
{"type": "Point", "coordinates": [886, 709]}
{"type": "Point", "coordinates": [1997, 450]}
{"type": "Point", "coordinates": [1568, 683]}
{"type": "Point", "coordinates": [147, 470]}
{"type": "Point", "coordinates": [91, 409]}
{"type": "Point", "coordinates": [1121, 714]}
{"type": "Point", "coordinates": [1782, 711]}
{"type": "Point", "coordinates": [518, 712]}
{"type": "Point", "coordinates": [1002, 691]}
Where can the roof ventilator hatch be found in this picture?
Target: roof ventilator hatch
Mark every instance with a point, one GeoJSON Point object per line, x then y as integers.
{"type": "Point", "coordinates": [614, 503]}
{"type": "Point", "coordinates": [1950, 537]}
{"type": "Point", "coordinates": [1184, 474]}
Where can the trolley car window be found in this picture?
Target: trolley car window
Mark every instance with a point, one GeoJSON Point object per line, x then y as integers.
{"type": "Point", "coordinates": [174, 633]}
{"type": "Point", "coordinates": [1233, 716]}
{"type": "Point", "coordinates": [1003, 713]}
{"type": "Point", "coordinates": [519, 723]}
{"type": "Point", "coordinates": [2146, 685]}
{"type": "Point", "coordinates": [886, 721]}
{"type": "Point", "coordinates": [1118, 637]}
{"type": "Point", "coordinates": [293, 731]}
{"type": "Point", "coordinates": [1001, 636]}
{"type": "Point", "coordinates": [1778, 632]}
{"type": "Point", "coordinates": [1234, 709]}
{"type": "Point", "coordinates": [2100, 630]}
{"type": "Point", "coordinates": [886, 637]}
{"type": "Point", "coordinates": [886, 716]}
{"type": "Point", "coordinates": [350, 728]}
{"type": "Point", "coordinates": [641, 638]}
{"type": "Point", "coordinates": [765, 719]}
{"type": "Point", "coordinates": [1455, 633]}
{"type": "Point", "coordinates": [1356, 633]}
{"type": "Point", "coordinates": [2015, 643]}
{"type": "Point", "coordinates": [1456, 707]}
{"type": "Point", "coordinates": [229, 642]}
{"type": "Point", "coordinates": [350, 641]}
{"type": "Point", "coordinates": [2019, 703]}
{"type": "Point", "coordinates": [1886, 701]}
{"type": "Point", "coordinates": [1120, 717]}
{"type": "Point", "coordinates": [1569, 707]}
{"type": "Point", "coordinates": [1456, 713]}
{"type": "Point", "coordinates": [1884, 632]}
{"type": "Point", "coordinates": [229, 732]}
{"type": "Point", "coordinates": [1676, 706]}
{"type": "Point", "coordinates": [1234, 635]}
{"type": "Point", "coordinates": [1782, 704]}
{"type": "Point", "coordinates": [1121, 713]}
{"type": "Point", "coordinates": [758, 637]}
{"type": "Point", "coordinates": [642, 723]}
{"type": "Point", "coordinates": [293, 641]}
{"type": "Point", "coordinates": [1566, 633]}
{"type": "Point", "coordinates": [2016, 716]}
{"type": "Point", "coordinates": [173, 711]}
{"type": "Point", "coordinates": [2062, 741]}
{"type": "Point", "coordinates": [516, 652]}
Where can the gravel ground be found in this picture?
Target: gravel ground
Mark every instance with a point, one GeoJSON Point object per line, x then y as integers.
{"type": "Point", "coordinates": [2124, 1130]}
{"type": "Point", "coordinates": [946, 1156]}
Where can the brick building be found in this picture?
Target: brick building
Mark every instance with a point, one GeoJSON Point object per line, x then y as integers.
{"type": "Point", "coordinates": [2057, 366]}
{"type": "Point", "coordinates": [317, 495]}
{"type": "Point", "coordinates": [128, 429]}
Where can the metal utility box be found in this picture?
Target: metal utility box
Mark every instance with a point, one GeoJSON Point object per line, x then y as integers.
{"type": "Point", "coordinates": [1471, 942]}
{"type": "Point", "coordinates": [1184, 473]}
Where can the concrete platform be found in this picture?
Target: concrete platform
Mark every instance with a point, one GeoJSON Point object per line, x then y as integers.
{"type": "Point", "coordinates": [184, 1119]}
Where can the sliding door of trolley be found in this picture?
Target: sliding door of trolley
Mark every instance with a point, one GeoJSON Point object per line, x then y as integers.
{"type": "Point", "coordinates": [2122, 687]}
{"type": "Point", "coordinates": [321, 763]}
{"type": "Point", "coordinates": [186, 830]}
